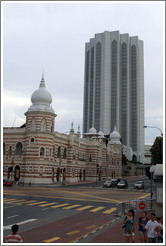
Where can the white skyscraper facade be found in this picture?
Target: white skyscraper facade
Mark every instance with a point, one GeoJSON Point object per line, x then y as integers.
{"type": "Point", "coordinates": [114, 88]}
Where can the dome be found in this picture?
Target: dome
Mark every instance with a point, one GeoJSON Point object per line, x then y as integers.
{"type": "Point", "coordinates": [41, 99]}
{"type": "Point", "coordinates": [92, 130]}
{"type": "Point", "coordinates": [115, 137]}
{"type": "Point", "coordinates": [101, 133]}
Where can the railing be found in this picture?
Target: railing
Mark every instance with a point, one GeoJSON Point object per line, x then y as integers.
{"type": "Point", "coordinates": [137, 205]}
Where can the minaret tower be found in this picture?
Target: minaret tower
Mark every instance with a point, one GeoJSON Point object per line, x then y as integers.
{"type": "Point", "coordinates": [40, 120]}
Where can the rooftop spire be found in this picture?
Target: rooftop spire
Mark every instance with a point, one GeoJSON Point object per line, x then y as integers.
{"type": "Point", "coordinates": [42, 82]}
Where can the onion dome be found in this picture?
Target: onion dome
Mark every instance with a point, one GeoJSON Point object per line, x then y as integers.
{"type": "Point", "coordinates": [101, 134]}
{"type": "Point", "coordinates": [115, 137]}
{"type": "Point", "coordinates": [92, 130]}
{"type": "Point", "coordinates": [41, 99]}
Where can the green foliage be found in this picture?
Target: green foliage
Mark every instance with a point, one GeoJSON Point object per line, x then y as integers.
{"type": "Point", "coordinates": [157, 151]}
{"type": "Point", "coordinates": [124, 160]}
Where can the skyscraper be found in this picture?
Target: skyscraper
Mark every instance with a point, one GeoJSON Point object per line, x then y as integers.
{"type": "Point", "coordinates": [114, 87]}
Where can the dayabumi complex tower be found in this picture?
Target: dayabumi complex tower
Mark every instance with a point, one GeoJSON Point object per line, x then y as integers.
{"type": "Point", "coordinates": [114, 88]}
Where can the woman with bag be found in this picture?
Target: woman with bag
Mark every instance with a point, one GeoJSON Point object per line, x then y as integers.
{"type": "Point", "coordinates": [129, 225]}
{"type": "Point", "coordinates": [142, 221]}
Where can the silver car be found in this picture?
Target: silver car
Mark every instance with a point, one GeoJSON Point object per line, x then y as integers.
{"type": "Point", "coordinates": [139, 185]}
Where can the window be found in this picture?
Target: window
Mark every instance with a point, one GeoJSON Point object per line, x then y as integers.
{"type": "Point", "coordinates": [10, 151]}
{"type": "Point", "coordinates": [4, 149]}
{"type": "Point", "coordinates": [42, 151]}
{"type": "Point", "coordinates": [32, 140]}
{"type": "Point", "coordinates": [33, 125]}
{"type": "Point", "coordinates": [43, 125]}
{"type": "Point", "coordinates": [59, 152]}
{"type": "Point", "coordinates": [19, 149]}
{"type": "Point", "coordinates": [65, 153]}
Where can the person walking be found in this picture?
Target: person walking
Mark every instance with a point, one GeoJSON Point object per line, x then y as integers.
{"type": "Point", "coordinates": [159, 230]}
{"type": "Point", "coordinates": [142, 221]}
{"type": "Point", "coordinates": [129, 225]}
{"type": "Point", "coordinates": [150, 229]}
{"type": "Point", "coordinates": [14, 237]}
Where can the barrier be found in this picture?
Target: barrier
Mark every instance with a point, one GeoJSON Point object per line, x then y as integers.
{"type": "Point", "coordinates": [137, 205]}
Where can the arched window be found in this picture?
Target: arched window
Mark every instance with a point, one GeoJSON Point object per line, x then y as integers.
{"type": "Point", "coordinates": [52, 127]}
{"type": "Point", "coordinates": [10, 151]}
{"type": "Point", "coordinates": [65, 153]}
{"type": "Point", "coordinates": [19, 149]}
{"type": "Point", "coordinates": [4, 149]}
{"type": "Point", "coordinates": [59, 152]}
{"type": "Point", "coordinates": [43, 125]}
{"type": "Point", "coordinates": [42, 151]}
{"type": "Point", "coordinates": [33, 125]}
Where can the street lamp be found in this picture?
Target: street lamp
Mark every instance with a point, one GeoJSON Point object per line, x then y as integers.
{"type": "Point", "coordinates": [154, 127]}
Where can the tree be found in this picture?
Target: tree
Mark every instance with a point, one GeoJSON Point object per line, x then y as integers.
{"type": "Point", "coordinates": [157, 151]}
{"type": "Point", "coordinates": [124, 160]}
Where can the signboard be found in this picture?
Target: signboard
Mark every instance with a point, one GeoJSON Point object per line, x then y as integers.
{"type": "Point", "coordinates": [142, 205]}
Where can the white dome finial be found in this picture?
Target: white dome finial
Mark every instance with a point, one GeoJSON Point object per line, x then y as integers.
{"type": "Point", "coordinates": [42, 82]}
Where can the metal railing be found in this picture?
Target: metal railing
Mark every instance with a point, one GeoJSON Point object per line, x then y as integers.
{"type": "Point", "coordinates": [123, 207]}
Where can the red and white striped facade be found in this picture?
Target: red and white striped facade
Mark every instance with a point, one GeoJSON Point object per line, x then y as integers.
{"type": "Point", "coordinates": [36, 152]}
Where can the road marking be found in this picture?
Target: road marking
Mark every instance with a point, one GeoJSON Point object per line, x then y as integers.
{"type": "Point", "coordinates": [83, 208]}
{"type": "Point", "coordinates": [148, 194]}
{"type": "Point", "coordinates": [12, 216]}
{"type": "Point", "coordinates": [45, 209]}
{"type": "Point", "coordinates": [28, 201]}
{"type": "Point", "coordinates": [96, 209]}
{"type": "Point", "coordinates": [17, 201]}
{"type": "Point", "coordinates": [47, 204]}
{"type": "Point", "coordinates": [51, 240]}
{"type": "Point", "coordinates": [72, 206]}
{"type": "Point", "coordinates": [110, 210]}
{"type": "Point", "coordinates": [8, 227]}
{"type": "Point", "coordinates": [90, 227]}
{"type": "Point", "coordinates": [31, 204]}
{"type": "Point", "coordinates": [72, 232]}
{"type": "Point", "coordinates": [60, 205]}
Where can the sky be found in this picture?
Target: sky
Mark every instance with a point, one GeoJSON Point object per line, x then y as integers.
{"type": "Point", "coordinates": [51, 36]}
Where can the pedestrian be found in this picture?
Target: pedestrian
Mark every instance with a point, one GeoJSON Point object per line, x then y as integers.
{"type": "Point", "coordinates": [14, 237]}
{"type": "Point", "coordinates": [150, 229]}
{"type": "Point", "coordinates": [129, 225]}
{"type": "Point", "coordinates": [142, 221]}
{"type": "Point", "coordinates": [159, 230]}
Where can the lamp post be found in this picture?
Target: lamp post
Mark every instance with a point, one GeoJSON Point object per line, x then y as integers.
{"type": "Point", "coordinates": [154, 127]}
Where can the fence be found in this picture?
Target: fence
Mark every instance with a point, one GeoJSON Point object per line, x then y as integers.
{"type": "Point", "coordinates": [137, 205]}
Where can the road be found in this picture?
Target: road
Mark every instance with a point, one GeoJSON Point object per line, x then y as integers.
{"type": "Point", "coordinates": [62, 214]}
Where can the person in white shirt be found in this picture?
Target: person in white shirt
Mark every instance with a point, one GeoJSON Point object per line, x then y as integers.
{"type": "Point", "coordinates": [150, 229]}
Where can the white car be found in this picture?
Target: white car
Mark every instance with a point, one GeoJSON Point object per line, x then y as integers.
{"type": "Point", "coordinates": [139, 185]}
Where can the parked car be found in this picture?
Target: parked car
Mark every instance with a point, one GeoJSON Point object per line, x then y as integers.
{"type": "Point", "coordinates": [107, 184]}
{"type": "Point", "coordinates": [7, 183]}
{"type": "Point", "coordinates": [115, 180]}
{"type": "Point", "coordinates": [122, 184]}
{"type": "Point", "coordinates": [139, 185]}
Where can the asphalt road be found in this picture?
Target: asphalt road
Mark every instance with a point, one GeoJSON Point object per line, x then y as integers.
{"type": "Point", "coordinates": [62, 214]}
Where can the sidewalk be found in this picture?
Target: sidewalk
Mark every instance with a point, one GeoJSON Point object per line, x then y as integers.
{"type": "Point", "coordinates": [115, 233]}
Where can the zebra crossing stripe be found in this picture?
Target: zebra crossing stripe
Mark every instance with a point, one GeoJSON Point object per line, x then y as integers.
{"type": "Point", "coordinates": [110, 210]}
{"type": "Point", "coordinates": [72, 206]}
{"type": "Point", "coordinates": [96, 209]}
{"type": "Point", "coordinates": [83, 208]}
{"type": "Point", "coordinates": [60, 205]}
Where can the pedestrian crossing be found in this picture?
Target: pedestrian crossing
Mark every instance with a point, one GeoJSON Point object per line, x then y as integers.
{"type": "Point", "coordinates": [65, 206]}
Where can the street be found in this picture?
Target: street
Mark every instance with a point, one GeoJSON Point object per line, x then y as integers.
{"type": "Point", "coordinates": [63, 214]}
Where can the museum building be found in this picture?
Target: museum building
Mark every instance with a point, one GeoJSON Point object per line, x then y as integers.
{"type": "Point", "coordinates": [35, 153]}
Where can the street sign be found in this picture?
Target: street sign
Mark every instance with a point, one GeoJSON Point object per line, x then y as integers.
{"type": "Point", "coordinates": [142, 205]}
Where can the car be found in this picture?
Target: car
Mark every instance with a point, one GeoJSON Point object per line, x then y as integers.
{"type": "Point", "coordinates": [115, 180]}
{"type": "Point", "coordinates": [7, 183]}
{"type": "Point", "coordinates": [107, 184]}
{"type": "Point", "coordinates": [122, 184]}
{"type": "Point", "coordinates": [139, 185]}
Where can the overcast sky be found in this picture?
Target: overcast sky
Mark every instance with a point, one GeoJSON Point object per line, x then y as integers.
{"type": "Point", "coordinates": [52, 36]}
